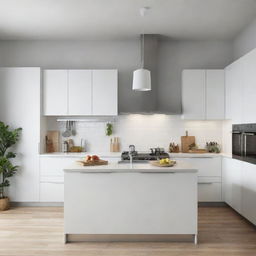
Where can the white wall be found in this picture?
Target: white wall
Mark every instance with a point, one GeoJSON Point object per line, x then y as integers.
{"type": "Point", "coordinates": [144, 131]}
{"type": "Point", "coordinates": [245, 41]}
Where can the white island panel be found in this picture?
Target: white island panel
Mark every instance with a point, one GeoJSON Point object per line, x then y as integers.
{"type": "Point", "coordinates": [142, 200]}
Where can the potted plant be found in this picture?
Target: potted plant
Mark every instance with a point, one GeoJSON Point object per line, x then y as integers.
{"type": "Point", "coordinates": [8, 138]}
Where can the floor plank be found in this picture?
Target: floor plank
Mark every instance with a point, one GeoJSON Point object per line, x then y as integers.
{"type": "Point", "coordinates": [36, 231]}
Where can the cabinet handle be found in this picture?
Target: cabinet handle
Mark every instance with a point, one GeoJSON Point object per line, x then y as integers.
{"type": "Point", "coordinates": [52, 182]}
{"type": "Point", "coordinates": [96, 172]}
{"type": "Point", "coordinates": [157, 172]}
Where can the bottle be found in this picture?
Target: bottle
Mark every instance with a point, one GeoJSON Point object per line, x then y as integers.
{"type": "Point", "coordinates": [65, 146]}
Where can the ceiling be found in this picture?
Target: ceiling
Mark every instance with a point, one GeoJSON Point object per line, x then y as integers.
{"type": "Point", "coordinates": [109, 19]}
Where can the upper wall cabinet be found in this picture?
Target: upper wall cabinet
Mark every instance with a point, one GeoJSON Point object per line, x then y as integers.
{"type": "Point", "coordinates": [55, 92]}
{"type": "Point", "coordinates": [234, 92]}
{"type": "Point", "coordinates": [241, 89]}
{"type": "Point", "coordinates": [104, 92]}
{"type": "Point", "coordinates": [249, 88]}
{"type": "Point", "coordinates": [80, 92]}
{"type": "Point", "coordinates": [203, 94]}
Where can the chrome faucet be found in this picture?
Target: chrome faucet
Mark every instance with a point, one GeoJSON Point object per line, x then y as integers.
{"type": "Point", "coordinates": [131, 152]}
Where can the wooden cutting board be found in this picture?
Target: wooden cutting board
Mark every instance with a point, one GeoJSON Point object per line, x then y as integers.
{"type": "Point", "coordinates": [186, 141]}
{"type": "Point", "coordinates": [52, 143]}
{"type": "Point", "coordinates": [93, 163]}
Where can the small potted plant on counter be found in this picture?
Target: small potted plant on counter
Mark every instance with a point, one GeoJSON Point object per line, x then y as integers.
{"type": "Point", "coordinates": [8, 138]}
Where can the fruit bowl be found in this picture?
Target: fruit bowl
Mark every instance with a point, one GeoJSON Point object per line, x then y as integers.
{"type": "Point", "coordinates": [166, 162]}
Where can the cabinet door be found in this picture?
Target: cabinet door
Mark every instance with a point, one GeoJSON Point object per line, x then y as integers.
{"type": "Point", "coordinates": [249, 102]}
{"type": "Point", "coordinates": [215, 94]}
{"type": "Point", "coordinates": [193, 94]}
{"type": "Point", "coordinates": [80, 92]}
{"type": "Point", "coordinates": [20, 107]}
{"type": "Point", "coordinates": [249, 191]}
{"type": "Point", "coordinates": [234, 92]}
{"type": "Point", "coordinates": [207, 166]}
{"type": "Point", "coordinates": [104, 95]}
{"type": "Point", "coordinates": [55, 92]}
{"type": "Point", "coordinates": [209, 189]}
{"type": "Point", "coordinates": [232, 183]}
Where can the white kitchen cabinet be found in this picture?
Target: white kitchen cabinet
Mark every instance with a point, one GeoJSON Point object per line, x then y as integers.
{"type": "Point", "coordinates": [203, 94]}
{"type": "Point", "coordinates": [232, 183]}
{"type": "Point", "coordinates": [249, 87]}
{"type": "Point", "coordinates": [207, 166]}
{"type": "Point", "coordinates": [55, 92]}
{"type": "Point", "coordinates": [209, 189]}
{"type": "Point", "coordinates": [53, 166]}
{"type": "Point", "coordinates": [52, 189]}
{"type": "Point", "coordinates": [104, 92]}
{"type": "Point", "coordinates": [20, 107]}
{"type": "Point", "coordinates": [234, 91]}
{"type": "Point", "coordinates": [193, 94]}
{"type": "Point", "coordinates": [79, 92]}
{"type": "Point", "coordinates": [215, 94]}
{"type": "Point", "coordinates": [249, 191]}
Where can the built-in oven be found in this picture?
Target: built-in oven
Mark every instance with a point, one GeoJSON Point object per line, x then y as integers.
{"type": "Point", "coordinates": [244, 142]}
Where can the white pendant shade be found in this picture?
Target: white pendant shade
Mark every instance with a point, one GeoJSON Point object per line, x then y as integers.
{"type": "Point", "coordinates": [141, 80]}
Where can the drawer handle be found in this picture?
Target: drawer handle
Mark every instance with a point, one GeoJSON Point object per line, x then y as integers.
{"type": "Point", "coordinates": [206, 183]}
{"type": "Point", "coordinates": [96, 172]}
{"type": "Point", "coordinates": [157, 172]}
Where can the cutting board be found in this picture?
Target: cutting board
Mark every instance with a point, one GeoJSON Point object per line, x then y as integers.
{"type": "Point", "coordinates": [93, 163]}
{"type": "Point", "coordinates": [52, 141]}
{"type": "Point", "coordinates": [186, 141]}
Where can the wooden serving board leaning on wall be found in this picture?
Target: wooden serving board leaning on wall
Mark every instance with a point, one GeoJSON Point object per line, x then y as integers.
{"type": "Point", "coordinates": [186, 141]}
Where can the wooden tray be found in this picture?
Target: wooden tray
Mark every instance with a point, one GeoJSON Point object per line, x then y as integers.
{"type": "Point", "coordinates": [156, 163]}
{"type": "Point", "coordinates": [93, 163]}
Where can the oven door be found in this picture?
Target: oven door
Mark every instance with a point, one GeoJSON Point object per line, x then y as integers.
{"type": "Point", "coordinates": [249, 144]}
{"type": "Point", "coordinates": [237, 141]}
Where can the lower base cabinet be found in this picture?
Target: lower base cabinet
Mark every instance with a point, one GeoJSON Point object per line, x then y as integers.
{"type": "Point", "coordinates": [249, 192]}
{"type": "Point", "coordinates": [52, 189]}
{"type": "Point", "coordinates": [209, 189]}
{"type": "Point", "coordinates": [239, 187]}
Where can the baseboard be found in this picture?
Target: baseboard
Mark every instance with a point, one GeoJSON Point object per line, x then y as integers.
{"type": "Point", "coordinates": [212, 204]}
{"type": "Point", "coordinates": [127, 238]}
{"type": "Point", "coordinates": [36, 204]}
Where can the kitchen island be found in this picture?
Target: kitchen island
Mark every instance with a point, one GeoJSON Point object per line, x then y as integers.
{"type": "Point", "coordinates": [120, 202]}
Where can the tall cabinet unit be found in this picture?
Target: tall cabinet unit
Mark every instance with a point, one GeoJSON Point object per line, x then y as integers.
{"type": "Point", "coordinates": [20, 107]}
{"type": "Point", "coordinates": [203, 94]}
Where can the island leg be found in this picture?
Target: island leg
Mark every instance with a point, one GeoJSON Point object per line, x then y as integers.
{"type": "Point", "coordinates": [195, 239]}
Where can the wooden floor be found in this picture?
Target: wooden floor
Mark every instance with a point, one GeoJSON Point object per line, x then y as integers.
{"type": "Point", "coordinates": [33, 231]}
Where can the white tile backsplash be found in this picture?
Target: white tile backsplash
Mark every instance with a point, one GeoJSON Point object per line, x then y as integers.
{"type": "Point", "coordinates": [144, 131]}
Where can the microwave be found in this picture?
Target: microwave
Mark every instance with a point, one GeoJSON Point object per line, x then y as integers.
{"type": "Point", "coordinates": [244, 142]}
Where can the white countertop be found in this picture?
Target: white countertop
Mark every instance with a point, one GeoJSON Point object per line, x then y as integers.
{"type": "Point", "coordinates": [83, 154]}
{"type": "Point", "coordinates": [180, 167]}
{"type": "Point", "coordinates": [118, 155]}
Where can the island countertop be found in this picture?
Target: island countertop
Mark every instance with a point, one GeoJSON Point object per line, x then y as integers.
{"type": "Point", "coordinates": [180, 167]}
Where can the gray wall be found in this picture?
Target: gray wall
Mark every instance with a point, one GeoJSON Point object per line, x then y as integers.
{"type": "Point", "coordinates": [245, 41]}
{"type": "Point", "coordinates": [174, 56]}
{"type": "Point", "coordinates": [171, 58]}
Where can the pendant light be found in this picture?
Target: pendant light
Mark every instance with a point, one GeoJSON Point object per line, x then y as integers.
{"type": "Point", "coordinates": [142, 76]}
